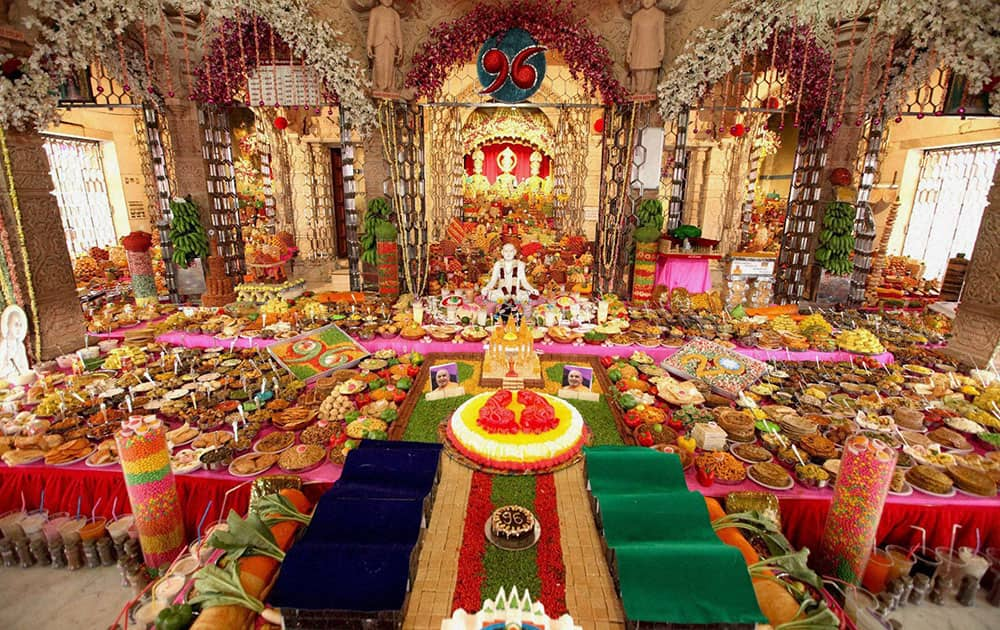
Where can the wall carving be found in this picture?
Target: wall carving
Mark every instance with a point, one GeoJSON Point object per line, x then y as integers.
{"type": "Point", "coordinates": [60, 319]}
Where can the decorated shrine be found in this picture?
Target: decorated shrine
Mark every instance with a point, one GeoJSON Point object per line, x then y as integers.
{"type": "Point", "coordinates": [499, 314]}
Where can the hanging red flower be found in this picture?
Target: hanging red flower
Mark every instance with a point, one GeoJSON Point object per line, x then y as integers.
{"type": "Point", "coordinates": [737, 130]}
{"type": "Point", "coordinates": [599, 125]}
{"type": "Point", "coordinates": [281, 123]}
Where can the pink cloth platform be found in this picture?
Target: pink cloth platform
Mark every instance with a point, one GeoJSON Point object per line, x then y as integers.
{"type": "Point", "coordinates": [686, 271]}
{"type": "Point", "coordinates": [401, 345]}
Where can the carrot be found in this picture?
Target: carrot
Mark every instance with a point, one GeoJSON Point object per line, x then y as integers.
{"type": "Point", "coordinates": [256, 572]}
{"type": "Point", "coordinates": [299, 500]}
{"type": "Point", "coordinates": [731, 535]}
{"type": "Point", "coordinates": [224, 618]}
{"type": "Point", "coordinates": [715, 511]}
{"type": "Point", "coordinates": [283, 533]}
{"type": "Point", "coordinates": [775, 601]}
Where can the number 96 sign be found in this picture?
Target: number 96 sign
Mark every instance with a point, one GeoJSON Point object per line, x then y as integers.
{"type": "Point", "coordinates": [511, 66]}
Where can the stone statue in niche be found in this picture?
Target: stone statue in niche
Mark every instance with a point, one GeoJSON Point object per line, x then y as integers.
{"type": "Point", "coordinates": [13, 356]}
{"type": "Point", "coordinates": [646, 47]}
{"type": "Point", "coordinates": [385, 46]}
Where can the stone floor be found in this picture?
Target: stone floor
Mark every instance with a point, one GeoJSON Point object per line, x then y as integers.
{"type": "Point", "coordinates": [42, 598]}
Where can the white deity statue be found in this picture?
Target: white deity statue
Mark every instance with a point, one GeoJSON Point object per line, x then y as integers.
{"type": "Point", "coordinates": [13, 357]}
{"type": "Point", "coordinates": [509, 280]}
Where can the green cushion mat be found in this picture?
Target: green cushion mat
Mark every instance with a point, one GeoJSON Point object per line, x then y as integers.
{"type": "Point", "coordinates": [655, 517]}
{"type": "Point", "coordinates": [686, 583]}
{"type": "Point", "coordinates": [625, 469]}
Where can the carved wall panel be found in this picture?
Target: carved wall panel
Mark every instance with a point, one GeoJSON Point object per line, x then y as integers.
{"type": "Point", "coordinates": [60, 319]}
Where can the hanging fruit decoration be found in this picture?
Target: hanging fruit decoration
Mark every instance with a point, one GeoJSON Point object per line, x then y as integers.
{"type": "Point", "coordinates": [281, 123]}
{"type": "Point", "coordinates": [840, 177]}
{"type": "Point", "coordinates": [599, 125]}
{"type": "Point", "coordinates": [737, 130]}
{"type": "Point", "coordinates": [186, 232]}
{"type": "Point", "coordinates": [836, 241]}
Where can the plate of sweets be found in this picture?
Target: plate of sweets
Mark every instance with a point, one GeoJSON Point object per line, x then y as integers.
{"type": "Point", "coordinates": [770, 475]}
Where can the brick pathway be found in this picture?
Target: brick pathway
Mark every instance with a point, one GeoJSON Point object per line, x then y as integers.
{"type": "Point", "coordinates": [430, 599]}
{"type": "Point", "coordinates": [590, 592]}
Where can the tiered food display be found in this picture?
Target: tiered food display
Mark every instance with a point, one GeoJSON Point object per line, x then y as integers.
{"type": "Point", "coordinates": [232, 411]}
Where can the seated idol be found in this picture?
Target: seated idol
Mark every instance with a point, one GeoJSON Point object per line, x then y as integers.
{"type": "Point", "coordinates": [509, 280]}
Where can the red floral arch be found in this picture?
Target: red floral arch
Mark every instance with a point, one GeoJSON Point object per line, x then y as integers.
{"type": "Point", "coordinates": [553, 24]}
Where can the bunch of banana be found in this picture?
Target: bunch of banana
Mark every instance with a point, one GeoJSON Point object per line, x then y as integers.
{"type": "Point", "coordinates": [836, 241]}
{"type": "Point", "coordinates": [650, 213]}
{"type": "Point", "coordinates": [186, 233]}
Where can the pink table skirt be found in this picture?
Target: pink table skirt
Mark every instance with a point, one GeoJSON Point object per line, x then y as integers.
{"type": "Point", "coordinates": [402, 346]}
{"type": "Point", "coordinates": [658, 354]}
{"type": "Point", "coordinates": [119, 333]}
{"type": "Point", "coordinates": [193, 340]}
{"type": "Point", "coordinates": [684, 272]}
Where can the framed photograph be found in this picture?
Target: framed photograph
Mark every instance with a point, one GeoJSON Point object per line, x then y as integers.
{"type": "Point", "coordinates": [577, 377]}
{"type": "Point", "coordinates": [443, 375]}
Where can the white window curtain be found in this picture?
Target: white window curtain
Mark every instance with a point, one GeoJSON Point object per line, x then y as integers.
{"type": "Point", "coordinates": [77, 170]}
{"type": "Point", "coordinates": [948, 204]}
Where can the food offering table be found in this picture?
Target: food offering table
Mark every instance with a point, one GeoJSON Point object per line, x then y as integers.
{"type": "Point", "coordinates": [78, 486]}
{"type": "Point", "coordinates": [685, 271]}
{"type": "Point", "coordinates": [804, 510]}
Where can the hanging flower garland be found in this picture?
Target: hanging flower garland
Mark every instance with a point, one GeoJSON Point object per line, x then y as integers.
{"type": "Point", "coordinates": [553, 24]}
{"type": "Point", "coordinates": [959, 33]}
{"type": "Point", "coordinates": [313, 41]}
{"type": "Point", "coordinates": [805, 65]}
{"type": "Point", "coordinates": [212, 83]}
{"type": "Point", "coordinates": [32, 99]}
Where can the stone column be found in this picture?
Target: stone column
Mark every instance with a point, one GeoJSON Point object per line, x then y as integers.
{"type": "Point", "coordinates": [976, 330]}
{"type": "Point", "coordinates": [60, 317]}
{"type": "Point", "coordinates": [189, 161]}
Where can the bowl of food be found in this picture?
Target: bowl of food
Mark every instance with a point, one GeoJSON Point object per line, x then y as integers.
{"type": "Point", "coordinates": [812, 475]}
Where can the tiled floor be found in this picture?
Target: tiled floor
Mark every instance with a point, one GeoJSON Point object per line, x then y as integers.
{"type": "Point", "coordinates": [42, 598]}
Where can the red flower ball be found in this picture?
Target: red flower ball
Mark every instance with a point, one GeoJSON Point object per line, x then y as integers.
{"type": "Point", "coordinates": [280, 122]}
{"type": "Point", "coordinates": [737, 130]}
{"type": "Point", "coordinates": [599, 125]}
{"type": "Point", "coordinates": [773, 102]}
{"type": "Point", "coordinates": [493, 61]}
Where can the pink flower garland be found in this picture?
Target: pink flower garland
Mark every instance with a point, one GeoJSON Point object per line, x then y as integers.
{"type": "Point", "coordinates": [223, 74]}
{"type": "Point", "coordinates": [553, 24]}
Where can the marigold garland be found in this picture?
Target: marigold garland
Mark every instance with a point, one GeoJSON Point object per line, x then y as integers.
{"type": "Point", "coordinates": [19, 225]}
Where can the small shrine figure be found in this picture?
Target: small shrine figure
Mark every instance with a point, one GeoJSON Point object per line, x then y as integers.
{"type": "Point", "coordinates": [385, 46]}
{"type": "Point", "coordinates": [646, 43]}
{"type": "Point", "coordinates": [506, 181]}
{"type": "Point", "coordinates": [536, 184]}
{"type": "Point", "coordinates": [509, 280]}
{"type": "Point", "coordinates": [13, 356]}
{"type": "Point", "coordinates": [477, 183]}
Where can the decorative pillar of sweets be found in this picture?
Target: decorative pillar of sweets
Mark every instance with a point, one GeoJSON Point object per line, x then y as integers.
{"type": "Point", "coordinates": [644, 271]}
{"type": "Point", "coordinates": [858, 499]}
{"type": "Point", "coordinates": [218, 286]}
{"type": "Point", "coordinates": [140, 266]}
{"type": "Point", "coordinates": [145, 461]}
{"type": "Point", "coordinates": [388, 268]}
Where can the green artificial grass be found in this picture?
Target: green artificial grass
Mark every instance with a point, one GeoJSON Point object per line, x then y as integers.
{"type": "Point", "coordinates": [427, 415]}
{"type": "Point", "coordinates": [465, 371]}
{"type": "Point", "coordinates": [601, 421]}
{"type": "Point", "coordinates": [511, 568]}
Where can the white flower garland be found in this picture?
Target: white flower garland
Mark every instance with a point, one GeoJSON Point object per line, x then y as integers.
{"type": "Point", "coordinates": [958, 31]}
{"type": "Point", "coordinates": [70, 35]}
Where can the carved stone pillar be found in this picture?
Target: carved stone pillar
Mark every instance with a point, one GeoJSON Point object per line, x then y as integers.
{"type": "Point", "coordinates": [189, 161]}
{"type": "Point", "coordinates": [976, 331]}
{"type": "Point", "coordinates": [59, 316]}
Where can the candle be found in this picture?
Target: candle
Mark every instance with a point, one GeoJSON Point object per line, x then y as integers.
{"type": "Point", "coordinates": [194, 400]}
{"type": "Point", "coordinates": [602, 311]}
{"type": "Point", "coordinates": [481, 317]}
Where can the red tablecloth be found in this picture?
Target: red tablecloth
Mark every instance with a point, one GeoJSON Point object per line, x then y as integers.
{"type": "Point", "coordinates": [684, 271]}
{"type": "Point", "coordinates": [803, 515]}
{"type": "Point", "coordinates": [65, 486]}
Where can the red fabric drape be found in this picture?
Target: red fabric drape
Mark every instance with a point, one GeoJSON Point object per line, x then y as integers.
{"type": "Point", "coordinates": [65, 487]}
{"type": "Point", "coordinates": [523, 169]}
